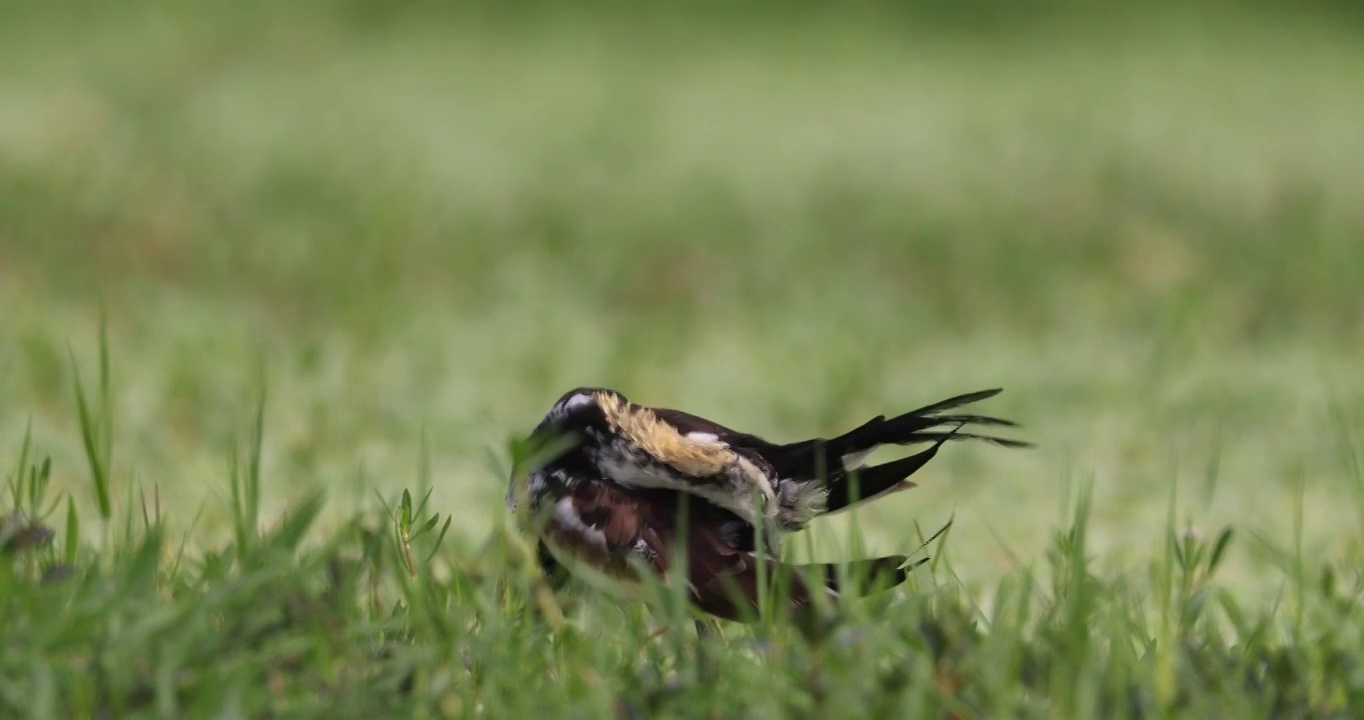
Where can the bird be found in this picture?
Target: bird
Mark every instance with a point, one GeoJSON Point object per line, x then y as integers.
{"type": "Point", "coordinates": [623, 488]}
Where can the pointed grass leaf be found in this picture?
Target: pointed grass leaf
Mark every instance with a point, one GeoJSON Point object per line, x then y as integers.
{"type": "Point", "coordinates": [99, 472]}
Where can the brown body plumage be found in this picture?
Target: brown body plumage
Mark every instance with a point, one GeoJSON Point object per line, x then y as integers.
{"type": "Point", "coordinates": [637, 526]}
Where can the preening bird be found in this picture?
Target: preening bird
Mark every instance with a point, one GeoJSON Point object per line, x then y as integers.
{"type": "Point", "coordinates": [613, 498]}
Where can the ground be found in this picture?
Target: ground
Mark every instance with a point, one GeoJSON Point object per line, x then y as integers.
{"type": "Point", "coordinates": [412, 231]}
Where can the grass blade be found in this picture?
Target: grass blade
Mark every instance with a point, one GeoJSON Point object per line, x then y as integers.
{"type": "Point", "coordinates": [95, 457]}
{"type": "Point", "coordinates": [73, 531]}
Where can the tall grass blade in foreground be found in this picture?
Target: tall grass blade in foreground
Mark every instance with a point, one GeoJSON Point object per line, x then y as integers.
{"type": "Point", "coordinates": [97, 427]}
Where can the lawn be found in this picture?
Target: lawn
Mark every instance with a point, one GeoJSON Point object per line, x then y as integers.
{"type": "Point", "coordinates": [351, 251]}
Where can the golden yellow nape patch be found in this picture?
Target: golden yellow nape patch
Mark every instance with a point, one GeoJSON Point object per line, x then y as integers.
{"type": "Point", "coordinates": [663, 441]}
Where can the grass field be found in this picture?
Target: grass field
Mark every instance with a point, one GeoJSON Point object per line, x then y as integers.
{"type": "Point", "coordinates": [344, 250]}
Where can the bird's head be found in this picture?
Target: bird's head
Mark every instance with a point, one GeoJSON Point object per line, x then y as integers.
{"type": "Point", "coordinates": [587, 414]}
{"type": "Point", "coordinates": [569, 419]}
{"type": "Point", "coordinates": [577, 410]}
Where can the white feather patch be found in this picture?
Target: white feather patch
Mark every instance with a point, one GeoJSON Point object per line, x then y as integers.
{"type": "Point", "coordinates": [631, 475]}
{"type": "Point", "coordinates": [567, 517]}
{"type": "Point", "coordinates": [736, 500]}
{"type": "Point", "coordinates": [852, 461]}
{"type": "Point", "coordinates": [757, 476]}
{"type": "Point", "coordinates": [577, 400]}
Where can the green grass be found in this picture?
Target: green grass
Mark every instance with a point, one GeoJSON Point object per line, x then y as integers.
{"type": "Point", "coordinates": [264, 271]}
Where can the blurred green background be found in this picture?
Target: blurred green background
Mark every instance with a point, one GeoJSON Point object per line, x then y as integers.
{"type": "Point", "coordinates": [1147, 224]}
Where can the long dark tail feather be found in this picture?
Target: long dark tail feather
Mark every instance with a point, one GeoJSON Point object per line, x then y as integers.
{"type": "Point", "coordinates": [1002, 442]}
{"type": "Point", "coordinates": [974, 420]}
{"type": "Point", "coordinates": [860, 577]}
{"type": "Point", "coordinates": [803, 459]}
{"type": "Point", "coordinates": [911, 426]}
{"type": "Point", "coordinates": [957, 401]}
{"type": "Point", "coordinates": [879, 479]}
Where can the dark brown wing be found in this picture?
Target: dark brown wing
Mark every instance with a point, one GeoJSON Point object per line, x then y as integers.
{"type": "Point", "coordinates": [687, 423]}
{"type": "Point", "coordinates": [604, 526]}
{"type": "Point", "coordinates": [725, 582]}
